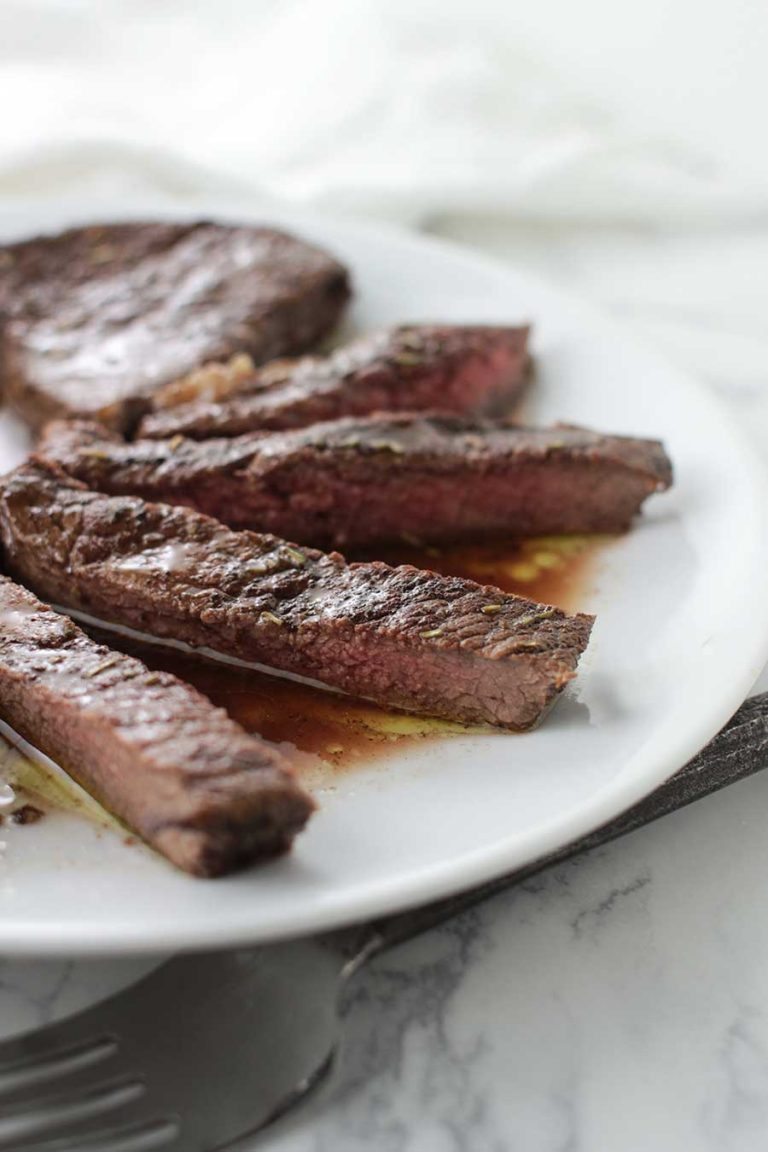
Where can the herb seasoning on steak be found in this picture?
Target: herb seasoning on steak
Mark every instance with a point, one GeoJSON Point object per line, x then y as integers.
{"type": "Point", "coordinates": [453, 368]}
{"type": "Point", "coordinates": [150, 748]}
{"type": "Point", "coordinates": [94, 320]}
{"type": "Point", "coordinates": [349, 483]}
{"type": "Point", "coordinates": [401, 637]}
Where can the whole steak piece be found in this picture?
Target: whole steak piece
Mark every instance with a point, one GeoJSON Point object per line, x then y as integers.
{"type": "Point", "coordinates": [150, 748]}
{"type": "Point", "coordinates": [399, 636]}
{"type": "Point", "coordinates": [459, 368]}
{"type": "Point", "coordinates": [94, 320]}
{"type": "Point", "coordinates": [355, 482]}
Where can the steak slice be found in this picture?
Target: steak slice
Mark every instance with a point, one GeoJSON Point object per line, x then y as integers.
{"type": "Point", "coordinates": [401, 637]}
{"type": "Point", "coordinates": [96, 319]}
{"type": "Point", "coordinates": [353, 482]}
{"type": "Point", "coordinates": [151, 749]}
{"type": "Point", "coordinates": [454, 368]}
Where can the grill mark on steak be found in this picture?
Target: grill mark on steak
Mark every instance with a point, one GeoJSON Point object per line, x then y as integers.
{"type": "Point", "coordinates": [349, 483]}
{"type": "Point", "coordinates": [150, 748]}
{"type": "Point", "coordinates": [454, 368]}
{"type": "Point", "coordinates": [94, 320]}
{"type": "Point", "coordinates": [401, 637]}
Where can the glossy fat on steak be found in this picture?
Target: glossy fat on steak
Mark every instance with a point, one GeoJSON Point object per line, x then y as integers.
{"type": "Point", "coordinates": [151, 749]}
{"type": "Point", "coordinates": [401, 637]}
{"type": "Point", "coordinates": [453, 368]}
{"type": "Point", "coordinates": [94, 320]}
{"type": "Point", "coordinates": [350, 483]}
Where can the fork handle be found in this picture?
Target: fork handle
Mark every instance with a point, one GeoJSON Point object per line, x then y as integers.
{"type": "Point", "coordinates": [738, 751]}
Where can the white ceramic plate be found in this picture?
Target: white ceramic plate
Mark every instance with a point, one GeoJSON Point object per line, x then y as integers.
{"type": "Point", "coordinates": [682, 634]}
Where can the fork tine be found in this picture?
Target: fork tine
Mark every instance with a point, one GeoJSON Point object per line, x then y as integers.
{"type": "Point", "coordinates": [63, 1048]}
{"type": "Point", "coordinates": [31, 1117]}
{"type": "Point", "coordinates": [94, 1022]}
{"type": "Point", "coordinates": [44, 1044]}
{"type": "Point", "coordinates": [28, 1073]}
{"type": "Point", "coordinates": [144, 1136]}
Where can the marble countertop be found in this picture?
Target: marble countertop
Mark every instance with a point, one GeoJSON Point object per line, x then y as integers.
{"type": "Point", "coordinates": [617, 1002]}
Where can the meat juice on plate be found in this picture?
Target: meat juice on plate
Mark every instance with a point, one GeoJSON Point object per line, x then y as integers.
{"type": "Point", "coordinates": [343, 732]}
{"type": "Point", "coordinates": [30, 787]}
{"type": "Point", "coordinates": [325, 732]}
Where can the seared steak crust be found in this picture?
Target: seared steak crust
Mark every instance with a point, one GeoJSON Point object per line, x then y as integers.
{"type": "Point", "coordinates": [453, 368]}
{"type": "Point", "coordinates": [94, 320]}
{"type": "Point", "coordinates": [402, 637]}
{"type": "Point", "coordinates": [151, 749]}
{"type": "Point", "coordinates": [353, 482]}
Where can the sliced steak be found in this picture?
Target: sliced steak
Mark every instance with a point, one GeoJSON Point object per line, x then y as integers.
{"type": "Point", "coordinates": [352, 482]}
{"type": "Point", "coordinates": [401, 637]}
{"type": "Point", "coordinates": [151, 749]}
{"type": "Point", "coordinates": [96, 319]}
{"type": "Point", "coordinates": [454, 368]}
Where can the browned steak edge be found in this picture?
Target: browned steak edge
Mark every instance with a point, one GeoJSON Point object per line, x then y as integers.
{"type": "Point", "coordinates": [148, 747]}
{"type": "Point", "coordinates": [65, 298]}
{"type": "Point", "coordinates": [402, 637]}
{"type": "Point", "coordinates": [451, 367]}
{"type": "Point", "coordinates": [356, 482]}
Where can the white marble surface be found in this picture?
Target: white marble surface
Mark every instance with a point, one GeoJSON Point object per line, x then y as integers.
{"type": "Point", "coordinates": [619, 1002]}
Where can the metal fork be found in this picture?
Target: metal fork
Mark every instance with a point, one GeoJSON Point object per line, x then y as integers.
{"type": "Point", "coordinates": [209, 1049]}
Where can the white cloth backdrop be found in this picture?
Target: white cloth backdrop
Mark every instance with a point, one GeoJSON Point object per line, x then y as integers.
{"type": "Point", "coordinates": [405, 108]}
{"type": "Point", "coordinates": [617, 146]}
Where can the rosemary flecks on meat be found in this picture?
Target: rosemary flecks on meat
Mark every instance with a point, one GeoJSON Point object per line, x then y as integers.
{"type": "Point", "coordinates": [102, 667]}
{"type": "Point", "coordinates": [272, 618]}
{"type": "Point", "coordinates": [535, 617]}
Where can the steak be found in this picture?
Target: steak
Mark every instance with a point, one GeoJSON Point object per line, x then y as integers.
{"type": "Point", "coordinates": [412, 368]}
{"type": "Point", "coordinates": [400, 636]}
{"type": "Point", "coordinates": [351, 482]}
{"type": "Point", "coordinates": [96, 319]}
{"type": "Point", "coordinates": [152, 750]}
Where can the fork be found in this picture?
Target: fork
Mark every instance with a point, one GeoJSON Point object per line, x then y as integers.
{"type": "Point", "coordinates": [209, 1049]}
